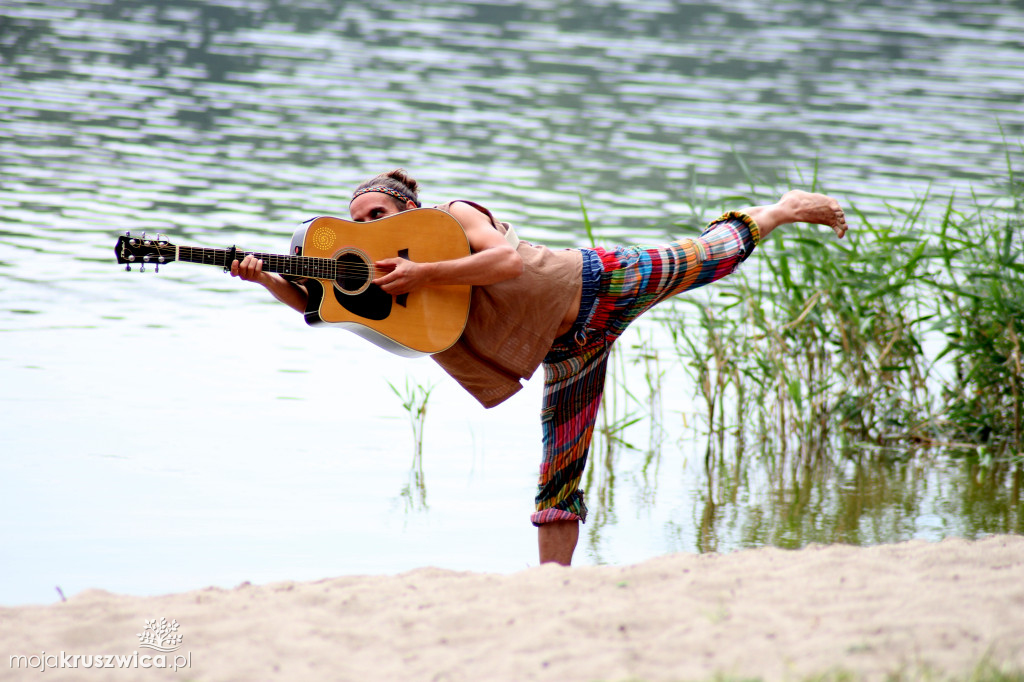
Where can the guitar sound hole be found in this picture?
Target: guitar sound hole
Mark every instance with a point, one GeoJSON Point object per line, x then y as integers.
{"type": "Point", "coordinates": [354, 272]}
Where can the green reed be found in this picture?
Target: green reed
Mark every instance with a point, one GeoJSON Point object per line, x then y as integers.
{"type": "Point", "coordinates": [823, 343]}
{"type": "Point", "coordinates": [415, 397]}
{"type": "Point", "coordinates": [983, 323]}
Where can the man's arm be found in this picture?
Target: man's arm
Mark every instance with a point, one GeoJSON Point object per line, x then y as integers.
{"type": "Point", "coordinates": [251, 270]}
{"type": "Point", "coordinates": [493, 259]}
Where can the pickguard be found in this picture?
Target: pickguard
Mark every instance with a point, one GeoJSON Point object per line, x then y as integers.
{"type": "Point", "coordinates": [373, 304]}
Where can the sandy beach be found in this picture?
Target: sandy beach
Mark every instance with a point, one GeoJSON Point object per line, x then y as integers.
{"type": "Point", "coordinates": [915, 608]}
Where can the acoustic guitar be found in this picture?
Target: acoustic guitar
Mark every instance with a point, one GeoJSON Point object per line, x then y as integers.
{"type": "Point", "coordinates": [333, 259]}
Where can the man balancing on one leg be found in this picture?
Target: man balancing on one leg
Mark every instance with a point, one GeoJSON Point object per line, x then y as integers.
{"type": "Point", "coordinates": [560, 308]}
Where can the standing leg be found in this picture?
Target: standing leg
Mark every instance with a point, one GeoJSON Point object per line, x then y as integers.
{"type": "Point", "coordinates": [573, 385]}
{"type": "Point", "coordinates": [556, 541]}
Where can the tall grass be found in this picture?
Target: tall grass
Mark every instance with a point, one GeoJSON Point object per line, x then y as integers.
{"type": "Point", "coordinates": [907, 333]}
{"type": "Point", "coordinates": [983, 321]}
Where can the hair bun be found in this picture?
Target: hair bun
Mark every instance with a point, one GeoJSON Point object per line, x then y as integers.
{"type": "Point", "coordinates": [403, 177]}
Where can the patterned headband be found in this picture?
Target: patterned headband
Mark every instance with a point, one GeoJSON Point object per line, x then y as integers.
{"type": "Point", "coordinates": [384, 190]}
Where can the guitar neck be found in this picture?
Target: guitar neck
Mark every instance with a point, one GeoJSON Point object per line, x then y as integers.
{"type": "Point", "coordinates": [298, 266]}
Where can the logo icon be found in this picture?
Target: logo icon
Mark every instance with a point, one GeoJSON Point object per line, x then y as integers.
{"type": "Point", "coordinates": [160, 636]}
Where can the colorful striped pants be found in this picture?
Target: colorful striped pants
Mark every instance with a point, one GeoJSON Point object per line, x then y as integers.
{"type": "Point", "coordinates": [619, 285]}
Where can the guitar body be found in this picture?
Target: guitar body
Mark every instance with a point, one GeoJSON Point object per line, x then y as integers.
{"type": "Point", "coordinates": [425, 321]}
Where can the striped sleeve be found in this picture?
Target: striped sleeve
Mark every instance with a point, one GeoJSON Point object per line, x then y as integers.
{"type": "Point", "coordinates": [726, 243]}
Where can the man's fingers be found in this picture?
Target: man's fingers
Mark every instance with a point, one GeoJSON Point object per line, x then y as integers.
{"type": "Point", "coordinates": [388, 264]}
{"type": "Point", "coordinates": [397, 275]}
{"type": "Point", "coordinates": [248, 269]}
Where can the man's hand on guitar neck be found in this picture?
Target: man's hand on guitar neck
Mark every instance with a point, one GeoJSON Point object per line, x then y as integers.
{"type": "Point", "coordinates": [250, 269]}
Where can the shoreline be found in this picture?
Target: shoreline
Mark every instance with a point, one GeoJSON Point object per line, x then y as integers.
{"type": "Point", "coordinates": [923, 608]}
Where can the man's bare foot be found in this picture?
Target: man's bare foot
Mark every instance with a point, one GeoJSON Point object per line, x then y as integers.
{"type": "Point", "coordinates": [805, 207]}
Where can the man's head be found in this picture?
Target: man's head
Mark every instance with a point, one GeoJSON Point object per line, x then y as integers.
{"type": "Point", "coordinates": [384, 195]}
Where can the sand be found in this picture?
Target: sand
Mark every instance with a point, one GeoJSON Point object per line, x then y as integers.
{"type": "Point", "coordinates": [915, 608]}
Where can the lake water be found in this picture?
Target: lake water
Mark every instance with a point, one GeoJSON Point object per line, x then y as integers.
{"type": "Point", "coordinates": [162, 432]}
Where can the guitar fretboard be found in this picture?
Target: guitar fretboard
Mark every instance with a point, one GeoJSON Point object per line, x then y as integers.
{"type": "Point", "coordinates": [298, 266]}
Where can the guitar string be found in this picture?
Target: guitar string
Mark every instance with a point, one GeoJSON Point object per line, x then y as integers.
{"type": "Point", "coordinates": [304, 263]}
{"type": "Point", "coordinates": [219, 256]}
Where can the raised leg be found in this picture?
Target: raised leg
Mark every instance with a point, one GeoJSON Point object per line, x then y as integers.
{"type": "Point", "coordinates": [798, 206]}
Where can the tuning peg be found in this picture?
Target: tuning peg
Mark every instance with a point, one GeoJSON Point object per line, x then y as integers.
{"type": "Point", "coordinates": [142, 268]}
{"type": "Point", "coordinates": [128, 268]}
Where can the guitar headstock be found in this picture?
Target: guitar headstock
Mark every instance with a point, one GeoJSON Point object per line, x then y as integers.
{"type": "Point", "coordinates": [143, 250]}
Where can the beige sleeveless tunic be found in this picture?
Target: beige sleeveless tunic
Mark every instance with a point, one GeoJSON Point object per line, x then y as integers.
{"type": "Point", "coordinates": [513, 323]}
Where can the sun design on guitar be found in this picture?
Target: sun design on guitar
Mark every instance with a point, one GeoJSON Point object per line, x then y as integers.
{"type": "Point", "coordinates": [323, 238]}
